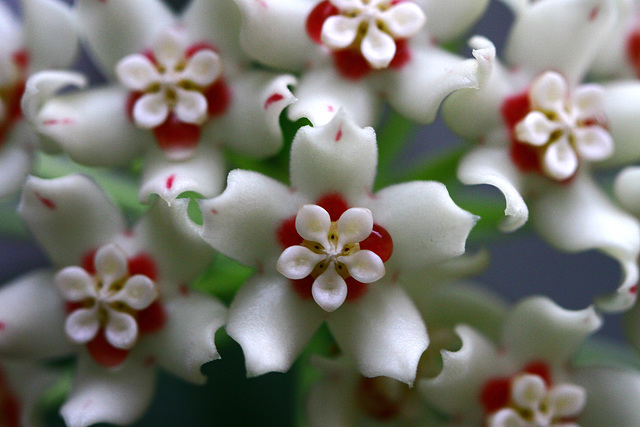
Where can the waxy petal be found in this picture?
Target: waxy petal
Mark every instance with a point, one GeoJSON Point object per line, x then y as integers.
{"type": "Point", "coordinates": [203, 68]}
{"type": "Point", "coordinates": [588, 101]}
{"type": "Point", "coordinates": [16, 158]}
{"type": "Point", "coordinates": [535, 129]}
{"type": "Point", "coordinates": [549, 92]}
{"type": "Point", "coordinates": [337, 157]}
{"type": "Point", "coordinates": [364, 266]}
{"type": "Point", "coordinates": [169, 46]}
{"type": "Point", "coordinates": [447, 20]}
{"type": "Point", "coordinates": [111, 264]}
{"type": "Point", "coordinates": [82, 325]}
{"type": "Point", "coordinates": [75, 284]}
{"type": "Point", "coordinates": [121, 329]}
{"type": "Point", "coordinates": [271, 323]}
{"type": "Point", "coordinates": [186, 342]}
{"type": "Point", "coordinates": [567, 400]}
{"type": "Point", "coordinates": [382, 331]}
{"type": "Point", "coordinates": [404, 19]}
{"type": "Point", "coordinates": [191, 107]}
{"type": "Point", "coordinates": [329, 290]}
{"type": "Point", "coordinates": [297, 262]}
{"type": "Point", "coordinates": [354, 225]}
{"type": "Point", "coordinates": [242, 222]}
{"type": "Point", "coordinates": [377, 47]}
{"type": "Point", "coordinates": [528, 390]}
{"type": "Point", "coordinates": [338, 32]}
{"type": "Point", "coordinates": [137, 72]}
{"type": "Point", "coordinates": [539, 329]}
{"type": "Point", "coordinates": [593, 143]}
{"type": "Point", "coordinates": [560, 160]}
{"type": "Point", "coordinates": [313, 223]}
{"type": "Point", "coordinates": [117, 28]}
{"type": "Point", "coordinates": [138, 293]}
{"type": "Point", "coordinates": [563, 213]}
{"type": "Point", "coordinates": [150, 110]}
{"type": "Point", "coordinates": [47, 205]}
{"type": "Point", "coordinates": [118, 396]}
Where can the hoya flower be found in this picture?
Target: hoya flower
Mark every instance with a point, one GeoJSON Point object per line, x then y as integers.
{"type": "Point", "coordinates": [180, 88]}
{"type": "Point", "coordinates": [540, 132]}
{"type": "Point", "coordinates": [528, 378]}
{"type": "Point", "coordinates": [118, 299]}
{"type": "Point", "coordinates": [329, 249]}
{"type": "Point", "coordinates": [351, 51]}
{"type": "Point", "coordinates": [46, 39]}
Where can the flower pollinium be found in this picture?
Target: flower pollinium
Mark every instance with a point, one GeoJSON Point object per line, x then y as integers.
{"type": "Point", "coordinates": [13, 74]}
{"type": "Point", "coordinates": [365, 34]}
{"type": "Point", "coordinates": [551, 131]}
{"type": "Point", "coordinates": [530, 399]}
{"type": "Point", "coordinates": [337, 255]}
{"type": "Point", "coordinates": [111, 300]}
{"type": "Point", "coordinates": [175, 88]}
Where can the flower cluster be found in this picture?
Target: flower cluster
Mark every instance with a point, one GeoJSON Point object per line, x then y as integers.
{"type": "Point", "coordinates": [237, 174]}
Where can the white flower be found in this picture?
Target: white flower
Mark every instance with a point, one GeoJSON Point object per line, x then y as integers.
{"type": "Point", "coordinates": [329, 249]}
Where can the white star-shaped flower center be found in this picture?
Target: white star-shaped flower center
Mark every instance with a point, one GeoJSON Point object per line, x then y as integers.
{"type": "Point", "coordinates": [374, 25]}
{"type": "Point", "coordinates": [108, 299]}
{"type": "Point", "coordinates": [172, 83]}
{"type": "Point", "coordinates": [330, 253]}
{"type": "Point", "coordinates": [533, 404]}
{"type": "Point", "coordinates": [566, 128]}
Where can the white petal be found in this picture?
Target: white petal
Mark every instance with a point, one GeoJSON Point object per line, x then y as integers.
{"type": "Point", "coordinates": [16, 158]}
{"type": "Point", "coordinates": [377, 47]}
{"type": "Point", "coordinates": [364, 266]}
{"type": "Point", "coordinates": [588, 101]}
{"type": "Point", "coordinates": [528, 390]}
{"type": "Point", "coordinates": [340, 31]}
{"type": "Point", "coordinates": [118, 396]}
{"type": "Point", "coordinates": [533, 40]}
{"type": "Point", "coordinates": [549, 92]}
{"type": "Point", "coordinates": [404, 19]}
{"type": "Point", "coordinates": [169, 47]}
{"type": "Point", "coordinates": [138, 292]}
{"type": "Point", "coordinates": [50, 34]}
{"type": "Point", "coordinates": [313, 224]}
{"type": "Point", "coordinates": [447, 20]}
{"type": "Point", "coordinates": [535, 128]}
{"type": "Point", "coordinates": [115, 29]}
{"type": "Point", "coordinates": [623, 115]}
{"type": "Point", "coordinates": [539, 329]}
{"type": "Point", "coordinates": [354, 225]}
{"type": "Point", "coordinates": [218, 20]}
{"type": "Point", "coordinates": [33, 317]}
{"type": "Point", "coordinates": [69, 216]}
{"type": "Point", "coordinates": [203, 68]}
{"type": "Point", "coordinates": [271, 323]}
{"type": "Point", "coordinates": [382, 331]}
{"type": "Point", "coordinates": [82, 325]}
{"type": "Point", "coordinates": [347, 4]}
{"type": "Point", "coordinates": [339, 156]}
{"type": "Point", "coordinates": [562, 215]}
{"type": "Point", "coordinates": [186, 341]}
{"type": "Point", "coordinates": [627, 190]}
{"type": "Point", "coordinates": [329, 290]}
{"type": "Point", "coordinates": [560, 160]}
{"type": "Point", "coordinates": [191, 106]}
{"type": "Point", "coordinates": [505, 418]}
{"type": "Point", "coordinates": [75, 284]}
{"type": "Point", "coordinates": [593, 143]}
{"type": "Point", "coordinates": [297, 262]}
{"type": "Point", "coordinates": [151, 110]}
{"type": "Point", "coordinates": [567, 400]}
{"type": "Point", "coordinates": [243, 221]}
{"type": "Point", "coordinates": [121, 329]}
{"type": "Point", "coordinates": [111, 264]}
{"type": "Point", "coordinates": [137, 72]}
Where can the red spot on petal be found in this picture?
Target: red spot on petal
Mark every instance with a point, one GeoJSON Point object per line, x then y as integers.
{"type": "Point", "coordinates": [3, 326]}
{"type": "Point", "coordinates": [330, 108]}
{"type": "Point", "coordinates": [218, 98]}
{"type": "Point", "coordinates": [184, 290]}
{"type": "Point", "coordinates": [143, 264]}
{"type": "Point", "coordinates": [495, 394]}
{"type": "Point", "coordinates": [526, 157]}
{"type": "Point", "coordinates": [334, 204]}
{"type": "Point", "coordinates": [21, 59]}
{"type": "Point", "coordinates": [287, 233]}
{"type": "Point", "coordinates": [594, 13]}
{"type": "Point", "coordinates": [152, 318]}
{"type": "Point", "coordinates": [131, 102]}
{"type": "Point", "coordinates": [633, 290]}
{"type": "Point", "coordinates": [376, 401]}
{"type": "Point", "coordinates": [149, 361]}
{"type": "Point", "coordinates": [273, 98]}
{"type": "Point", "coordinates": [214, 211]}
{"type": "Point", "coordinates": [316, 19]}
{"type": "Point", "coordinates": [104, 353]}
{"type": "Point", "coordinates": [53, 122]}
{"type": "Point", "coordinates": [339, 135]}
{"type": "Point", "coordinates": [70, 306]}
{"type": "Point", "coordinates": [380, 242]}
{"type": "Point", "coordinates": [48, 203]}
{"type": "Point", "coordinates": [169, 183]}
{"type": "Point", "coordinates": [540, 369]}
{"type": "Point", "coordinates": [351, 64]}
{"type": "Point", "coordinates": [176, 135]}
{"type": "Point", "coordinates": [128, 232]}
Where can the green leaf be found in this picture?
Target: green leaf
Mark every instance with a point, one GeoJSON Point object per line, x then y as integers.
{"type": "Point", "coordinates": [223, 278]}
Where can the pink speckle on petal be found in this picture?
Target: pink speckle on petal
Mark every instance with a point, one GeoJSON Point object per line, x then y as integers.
{"type": "Point", "coordinates": [339, 134]}
{"type": "Point", "coordinates": [52, 122]}
{"type": "Point", "coordinates": [633, 290]}
{"type": "Point", "coordinates": [50, 204]}
{"type": "Point", "coordinates": [273, 98]}
{"type": "Point", "coordinates": [184, 290]}
{"type": "Point", "coordinates": [3, 326]}
{"type": "Point", "coordinates": [89, 402]}
{"type": "Point", "coordinates": [214, 211]}
{"type": "Point", "coordinates": [594, 13]}
{"type": "Point", "coordinates": [330, 108]}
{"type": "Point", "coordinates": [262, 3]}
{"type": "Point", "coordinates": [149, 361]}
{"type": "Point", "coordinates": [169, 182]}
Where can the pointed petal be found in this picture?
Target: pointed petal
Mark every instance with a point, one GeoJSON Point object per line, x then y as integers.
{"type": "Point", "coordinates": [82, 325]}
{"type": "Point", "coordinates": [426, 226]}
{"type": "Point", "coordinates": [593, 143]}
{"type": "Point", "coordinates": [243, 221]}
{"type": "Point", "coordinates": [339, 156]}
{"type": "Point", "coordinates": [322, 92]}
{"type": "Point", "coordinates": [136, 72]}
{"type": "Point", "coordinates": [364, 266]}
{"type": "Point", "coordinates": [187, 340]}
{"type": "Point", "coordinates": [16, 159]}
{"type": "Point", "coordinates": [251, 123]}
{"type": "Point", "coordinates": [150, 110]}
{"type": "Point", "coordinates": [203, 68]}
{"type": "Point", "coordinates": [329, 290]}
{"type": "Point", "coordinates": [313, 224]}
{"type": "Point", "coordinates": [448, 20]}
{"type": "Point", "coordinates": [339, 31]}
{"type": "Point", "coordinates": [382, 331]}
{"type": "Point", "coordinates": [560, 160]}
{"type": "Point", "coordinates": [417, 89]}
{"type": "Point", "coordinates": [271, 323]}
{"type": "Point", "coordinates": [50, 34]}
{"type": "Point", "coordinates": [464, 372]}
{"type": "Point", "coordinates": [32, 318]}
{"type": "Point", "coordinates": [297, 262]}
{"type": "Point", "coordinates": [539, 329]}
{"type": "Point", "coordinates": [493, 166]}
{"type": "Point", "coordinates": [118, 396]}
{"type": "Point", "coordinates": [627, 190]}
{"type": "Point", "coordinates": [273, 32]}
{"type": "Point", "coordinates": [116, 28]}
{"type": "Point", "coordinates": [215, 21]}
{"type": "Point", "coordinates": [92, 126]}
{"type": "Point", "coordinates": [563, 213]}
{"type": "Point", "coordinates": [377, 47]}
{"type": "Point", "coordinates": [121, 330]}
{"type": "Point", "coordinates": [48, 205]}
{"type": "Point", "coordinates": [582, 24]}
